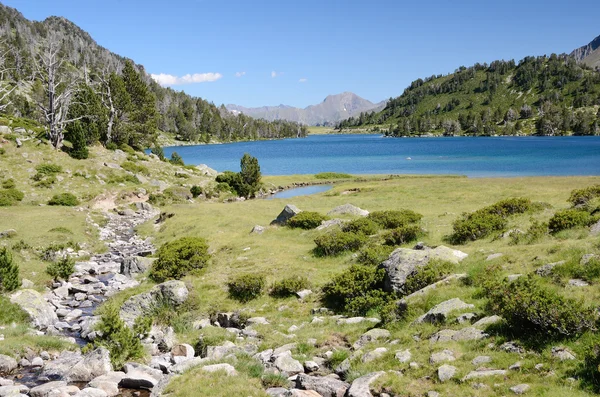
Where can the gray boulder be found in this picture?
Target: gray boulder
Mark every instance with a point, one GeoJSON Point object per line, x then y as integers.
{"type": "Point", "coordinates": [403, 356]}
{"type": "Point", "coordinates": [445, 355]}
{"type": "Point", "coordinates": [520, 389]}
{"type": "Point", "coordinates": [348, 209]}
{"type": "Point", "coordinates": [7, 364]}
{"type": "Point", "coordinates": [171, 292]}
{"type": "Point", "coordinates": [286, 363]}
{"type": "Point", "coordinates": [53, 389]}
{"type": "Point", "coordinates": [139, 376]}
{"type": "Point", "coordinates": [361, 387]}
{"type": "Point", "coordinates": [135, 265]}
{"type": "Point", "coordinates": [40, 312]}
{"type": "Point", "coordinates": [595, 229]}
{"type": "Point", "coordinates": [370, 336]}
{"type": "Point", "coordinates": [73, 367]}
{"type": "Point", "coordinates": [484, 374]}
{"type": "Point", "coordinates": [109, 383]}
{"type": "Point", "coordinates": [325, 386]}
{"type": "Point", "coordinates": [13, 390]}
{"type": "Point", "coordinates": [440, 312]}
{"type": "Point", "coordinates": [227, 368]}
{"type": "Point", "coordinates": [374, 355]}
{"type": "Point", "coordinates": [288, 212]}
{"type": "Point", "coordinates": [257, 229]}
{"type": "Point", "coordinates": [446, 372]}
{"type": "Point", "coordinates": [404, 262]}
{"type": "Point", "coordinates": [91, 392]}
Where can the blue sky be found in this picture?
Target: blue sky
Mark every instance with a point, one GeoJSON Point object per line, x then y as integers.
{"type": "Point", "coordinates": [298, 52]}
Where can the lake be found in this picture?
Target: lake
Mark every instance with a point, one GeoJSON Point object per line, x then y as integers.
{"type": "Point", "coordinates": [374, 154]}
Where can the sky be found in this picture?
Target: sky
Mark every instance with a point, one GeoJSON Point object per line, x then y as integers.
{"type": "Point", "coordinates": [267, 52]}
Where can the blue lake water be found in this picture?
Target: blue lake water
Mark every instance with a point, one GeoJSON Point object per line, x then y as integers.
{"type": "Point", "coordinates": [300, 191]}
{"type": "Point", "coordinates": [373, 154]}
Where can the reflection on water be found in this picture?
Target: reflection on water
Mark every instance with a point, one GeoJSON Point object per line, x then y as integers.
{"type": "Point", "coordinates": [300, 191]}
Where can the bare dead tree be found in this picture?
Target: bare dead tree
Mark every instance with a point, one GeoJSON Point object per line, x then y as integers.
{"type": "Point", "coordinates": [60, 86]}
{"type": "Point", "coordinates": [6, 86]}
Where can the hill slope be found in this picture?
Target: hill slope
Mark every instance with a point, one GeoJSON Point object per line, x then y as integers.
{"type": "Point", "coordinates": [539, 95]}
{"type": "Point", "coordinates": [333, 109]}
{"type": "Point", "coordinates": [180, 115]}
{"type": "Point", "coordinates": [589, 54]}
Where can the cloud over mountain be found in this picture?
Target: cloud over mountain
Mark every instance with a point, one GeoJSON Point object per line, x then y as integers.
{"type": "Point", "coordinates": [169, 79]}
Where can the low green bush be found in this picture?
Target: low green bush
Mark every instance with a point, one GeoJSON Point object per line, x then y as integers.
{"type": "Point", "coordinates": [337, 242]}
{"type": "Point", "coordinates": [9, 271]}
{"type": "Point", "coordinates": [306, 220]}
{"type": "Point", "coordinates": [246, 287]}
{"type": "Point", "coordinates": [64, 199]}
{"type": "Point", "coordinates": [590, 271]}
{"type": "Point", "coordinates": [394, 219]}
{"type": "Point", "coordinates": [176, 159]}
{"type": "Point", "coordinates": [568, 219]}
{"type": "Point", "coordinates": [179, 257]}
{"type": "Point", "coordinates": [171, 195]}
{"type": "Point", "coordinates": [62, 269]}
{"type": "Point", "coordinates": [115, 179]}
{"type": "Point", "coordinates": [196, 191]}
{"type": "Point", "coordinates": [48, 169]}
{"type": "Point", "coordinates": [332, 175]}
{"type": "Point", "coordinates": [356, 291]}
{"type": "Point", "coordinates": [8, 184]}
{"type": "Point", "coordinates": [510, 206]}
{"type": "Point", "coordinates": [471, 227]}
{"type": "Point", "coordinates": [289, 286]}
{"type": "Point", "coordinates": [426, 275]}
{"type": "Point", "coordinates": [373, 255]}
{"type": "Point", "coordinates": [580, 197]}
{"type": "Point", "coordinates": [361, 225]}
{"type": "Point", "coordinates": [135, 168]}
{"type": "Point", "coordinates": [403, 234]}
{"type": "Point", "coordinates": [536, 232]}
{"type": "Point", "coordinates": [10, 197]}
{"type": "Point", "coordinates": [527, 305]}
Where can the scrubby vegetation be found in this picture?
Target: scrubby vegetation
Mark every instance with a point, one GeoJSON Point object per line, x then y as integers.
{"type": "Point", "coordinates": [394, 219]}
{"type": "Point", "coordinates": [403, 234]}
{"type": "Point", "coordinates": [180, 257]}
{"type": "Point", "coordinates": [247, 287]}
{"type": "Point", "coordinates": [361, 226]}
{"type": "Point", "coordinates": [9, 271]}
{"type": "Point", "coordinates": [434, 271]}
{"type": "Point", "coordinates": [332, 175]}
{"type": "Point", "coordinates": [568, 219]}
{"type": "Point", "coordinates": [64, 199]}
{"type": "Point", "coordinates": [61, 269]}
{"type": "Point", "coordinates": [337, 242]}
{"type": "Point", "coordinates": [289, 286]}
{"type": "Point", "coordinates": [306, 220]}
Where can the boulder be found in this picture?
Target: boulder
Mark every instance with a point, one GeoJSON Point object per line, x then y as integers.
{"type": "Point", "coordinates": [257, 229]}
{"type": "Point", "coordinates": [445, 355]}
{"type": "Point", "coordinates": [135, 265]}
{"type": "Point", "coordinates": [73, 367]}
{"type": "Point", "coordinates": [286, 363]}
{"type": "Point", "coordinates": [484, 374]}
{"type": "Point", "coordinates": [446, 372]}
{"type": "Point", "coordinates": [227, 368]}
{"type": "Point", "coordinates": [547, 269]}
{"type": "Point", "coordinates": [220, 352]}
{"type": "Point", "coordinates": [171, 292]}
{"type": "Point", "coordinates": [276, 391]}
{"type": "Point", "coordinates": [439, 313]}
{"type": "Point", "coordinates": [361, 387]}
{"type": "Point", "coordinates": [487, 321]}
{"type": "Point", "coordinates": [562, 353]}
{"type": "Point", "coordinates": [40, 312]}
{"type": "Point", "coordinates": [91, 392]}
{"type": "Point", "coordinates": [403, 356]}
{"type": "Point", "coordinates": [330, 223]}
{"type": "Point", "coordinates": [325, 386]}
{"type": "Point", "coordinates": [404, 262]}
{"type": "Point", "coordinates": [53, 389]}
{"type": "Point", "coordinates": [8, 233]}
{"type": "Point", "coordinates": [477, 361]}
{"type": "Point", "coordinates": [288, 212]}
{"type": "Point", "coordinates": [311, 366]}
{"type": "Point", "coordinates": [595, 229]}
{"type": "Point", "coordinates": [7, 364]}
{"type": "Point", "coordinates": [370, 336]}
{"type": "Point", "coordinates": [188, 364]}
{"type": "Point", "coordinates": [348, 209]}
{"type": "Point", "coordinates": [13, 390]}
{"type": "Point", "coordinates": [109, 383]}
{"type": "Point", "coordinates": [520, 389]}
{"type": "Point", "coordinates": [139, 376]}
{"type": "Point", "coordinates": [183, 350]}
{"type": "Point", "coordinates": [374, 355]}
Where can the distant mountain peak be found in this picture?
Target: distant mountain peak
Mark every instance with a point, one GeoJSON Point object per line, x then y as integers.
{"type": "Point", "coordinates": [589, 53]}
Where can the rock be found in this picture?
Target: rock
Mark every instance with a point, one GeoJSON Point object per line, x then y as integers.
{"type": "Point", "coordinates": [303, 294]}
{"type": "Point", "coordinates": [286, 363]}
{"type": "Point", "coordinates": [139, 376]}
{"type": "Point", "coordinates": [27, 284]}
{"type": "Point", "coordinates": [487, 321]}
{"type": "Point", "coordinates": [13, 390]}
{"type": "Point", "coordinates": [348, 209]}
{"type": "Point", "coordinates": [7, 364]}
{"type": "Point", "coordinates": [171, 292]}
{"type": "Point", "coordinates": [370, 336]}
{"type": "Point", "coordinates": [520, 389]}
{"type": "Point", "coordinates": [444, 335]}
{"type": "Point", "coordinates": [18, 142]}
{"type": "Point", "coordinates": [585, 259]}
{"type": "Point", "coordinates": [189, 364]}
{"type": "Point", "coordinates": [562, 353]}
{"type": "Point", "coordinates": [516, 366]}
{"type": "Point", "coordinates": [8, 233]}
{"type": "Point", "coordinates": [24, 363]}
{"type": "Point", "coordinates": [276, 391]}
{"type": "Point", "coordinates": [109, 383]}
{"type": "Point", "coordinates": [288, 212]}
{"type": "Point", "coordinates": [374, 355]}
{"type": "Point", "coordinates": [73, 367]}
{"type": "Point", "coordinates": [439, 313]}
{"type": "Point", "coordinates": [361, 386]}
{"type": "Point", "coordinates": [469, 333]}
{"type": "Point", "coordinates": [494, 256]}
{"type": "Point", "coordinates": [256, 320]}
{"type": "Point", "coordinates": [404, 262]}
{"type": "Point", "coordinates": [466, 318]}
{"type": "Point", "coordinates": [595, 229]}
{"type": "Point", "coordinates": [330, 223]}
{"type": "Point", "coordinates": [37, 362]}
{"type": "Point", "coordinates": [229, 369]}
{"type": "Point", "coordinates": [50, 389]}
{"type": "Point", "coordinates": [432, 393]}
{"type": "Point", "coordinates": [444, 355]}
{"type": "Point", "coordinates": [577, 283]}
{"type": "Point", "coordinates": [477, 361]}
{"type": "Point", "coordinates": [343, 368]}
{"type": "Point", "coordinates": [206, 170]}
{"type": "Point", "coordinates": [446, 372]}
{"type": "Point", "coordinates": [301, 393]}
{"type": "Point", "coordinates": [136, 265]}
{"type": "Point", "coordinates": [356, 320]}
{"type": "Point", "coordinates": [257, 229]}
{"type": "Point", "coordinates": [546, 270]}
{"type": "Point", "coordinates": [513, 277]}
{"type": "Point", "coordinates": [4, 129]}
{"type": "Point", "coordinates": [220, 352]}
{"type": "Point", "coordinates": [40, 312]}
{"type": "Point", "coordinates": [512, 347]}
{"type": "Point", "coordinates": [403, 356]}
{"type": "Point", "coordinates": [91, 392]}
{"type": "Point", "coordinates": [484, 374]}
{"type": "Point", "coordinates": [183, 350]}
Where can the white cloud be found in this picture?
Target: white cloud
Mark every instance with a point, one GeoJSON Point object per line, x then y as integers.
{"type": "Point", "coordinates": [276, 74]}
{"type": "Point", "coordinates": [302, 80]}
{"type": "Point", "coordinates": [168, 79]}
{"type": "Point", "coordinates": [240, 74]}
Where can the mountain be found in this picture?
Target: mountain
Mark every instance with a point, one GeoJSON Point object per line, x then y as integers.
{"type": "Point", "coordinates": [82, 60]}
{"type": "Point", "coordinates": [552, 95]}
{"type": "Point", "coordinates": [333, 109]}
{"type": "Point", "coordinates": [589, 54]}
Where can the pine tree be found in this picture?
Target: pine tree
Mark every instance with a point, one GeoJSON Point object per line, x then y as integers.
{"type": "Point", "coordinates": [9, 271]}
{"type": "Point", "coordinates": [249, 176]}
{"type": "Point", "coordinates": [76, 135]}
{"type": "Point", "coordinates": [143, 115]}
{"type": "Point", "coordinates": [176, 159]}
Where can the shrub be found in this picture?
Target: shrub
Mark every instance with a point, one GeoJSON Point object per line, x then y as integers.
{"type": "Point", "coordinates": [196, 191]}
{"type": "Point", "coordinates": [176, 159]}
{"type": "Point", "coordinates": [64, 199]}
{"type": "Point", "coordinates": [179, 257]}
{"type": "Point", "coordinates": [582, 196]}
{"type": "Point", "coordinates": [373, 255]}
{"type": "Point", "coordinates": [8, 184]}
{"type": "Point", "coordinates": [403, 235]}
{"type": "Point", "coordinates": [48, 169]}
{"type": "Point", "coordinates": [590, 271]}
{"type": "Point", "coordinates": [394, 219]}
{"type": "Point", "coordinates": [568, 219]}
{"type": "Point", "coordinates": [76, 135]}
{"type": "Point", "coordinates": [229, 177]}
{"type": "Point", "coordinates": [361, 225]}
{"type": "Point", "coordinates": [10, 197]}
{"type": "Point", "coordinates": [158, 152]}
{"type": "Point", "coordinates": [135, 168]}
{"type": "Point", "coordinates": [426, 275]}
{"type": "Point", "coordinates": [247, 287]}
{"type": "Point", "coordinates": [125, 178]}
{"type": "Point", "coordinates": [337, 242]}
{"type": "Point", "coordinates": [332, 175]}
{"type": "Point", "coordinates": [527, 305]}
{"type": "Point", "coordinates": [61, 269]}
{"type": "Point", "coordinates": [289, 286]}
{"type": "Point", "coordinates": [270, 380]}
{"type": "Point", "coordinates": [536, 231]}
{"type": "Point", "coordinates": [9, 271]}
{"type": "Point", "coordinates": [250, 176]}
{"type": "Point", "coordinates": [306, 220]}
{"type": "Point", "coordinates": [471, 227]}
{"type": "Point", "coordinates": [510, 206]}
{"type": "Point", "coordinates": [354, 289]}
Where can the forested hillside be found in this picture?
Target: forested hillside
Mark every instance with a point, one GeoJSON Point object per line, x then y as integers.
{"type": "Point", "coordinates": [55, 73]}
{"type": "Point", "coordinates": [540, 95]}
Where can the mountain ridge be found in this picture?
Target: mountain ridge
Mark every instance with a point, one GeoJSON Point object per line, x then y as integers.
{"type": "Point", "coordinates": [588, 54]}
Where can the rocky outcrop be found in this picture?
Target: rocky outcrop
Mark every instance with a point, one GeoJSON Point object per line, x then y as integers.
{"type": "Point", "coordinates": [404, 262]}
{"type": "Point", "coordinates": [172, 292]}
{"type": "Point", "coordinates": [440, 312]}
{"type": "Point", "coordinates": [325, 386]}
{"type": "Point", "coordinates": [288, 212]}
{"type": "Point", "coordinates": [348, 209]}
{"type": "Point", "coordinates": [361, 387]}
{"type": "Point", "coordinates": [42, 313]}
{"type": "Point", "coordinates": [73, 367]}
{"type": "Point", "coordinates": [136, 265]}
{"type": "Point", "coordinates": [7, 364]}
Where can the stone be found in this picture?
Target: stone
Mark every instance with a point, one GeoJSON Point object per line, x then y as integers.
{"type": "Point", "coordinates": [439, 313]}
{"type": "Point", "coordinates": [138, 380]}
{"type": "Point", "coordinates": [520, 389]}
{"type": "Point", "coordinates": [578, 283]}
{"type": "Point", "coordinates": [91, 392]}
{"type": "Point", "coordinates": [27, 284]}
{"type": "Point", "coordinates": [7, 364]}
{"type": "Point", "coordinates": [172, 292]}
{"type": "Point", "coordinates": [189, 364]}
{"type": "Point", "coordinates": [361, 387]}
{"type": "Point", "coordinates": [374, 355]}
{"type": "Point", "coordinates": [585, 259]}
{"type": "Point", "coordinates": [484, 374]}
{"type": "Point", "coordinates": [469, 333]}
{"type": "Point", "coordinates": [227, 368]}
{"type": "Point", "coordinates": [73, 367]}
{"type": "Point", "coordinates": [286, 214]}
{"type": "Point", "coordinates": [444, 335]}
{"type": "Point", "coordinates": [50, 389]}
{"type": "Point", "coordinates": [183, 350]}
{"type": "Point", "coordinates": [301, 393]}
{"type": "Point", "coordinates": [546, 270]}
{"type": "Point", "coordinates": [343, 368]}
{"type": "Point", "coordinates": [512, 347]}
{"type": "Point", "coordinates": [432, 393]}
{"type": "Point", "coordinates": [355, 320]}
{"type": "Point", "coordinates": [256, 320]}
{"type": "Point", "coordinates": [24, 363]}
{"type": "Point", "coordinates": [37, 362]}
{"type": "Point", "coordinates": [330, 223]}
{"type": "Point", "coordinates": [403, 356]}
{"type": "Point", "coordinates": [311, 366]}
{"type": "Point", "coordinates": [257, 229]}
{"type": "Point", "coordinates": [276, 391]}
{"type": "Point", "coordinates": [8, 233]}
{"type": "Point", "coordinates": [595, 229]}
{"type": "Point", "coordinates": [4, 129]}
{"type": "Point", "coordinates": [513, 277]}
{"type": "Point", "coordinates": [477, 361]}
{"type": "Point", "coordinates": [446, 372]}
{"type": "Point", "coordinates": [487, 321]}
{"type": "Point", "coordinates": [404, 262]}
{"type": "Point", "coordinates": [562, 353]}
{"type": "Point", "coordinates": [371, 336]}
{"type": "Point", "coordinates": [286, 363]}
{"type": "Point", "coordinates": [136, 265]}
{"type": "Point", "coordinates": [303, 294]}
{"type": "Point", "coordinates": [516, 366]}
{"type": "Point", "coordinates": [494, 256]}
{"type": "Point", "coordinates": [40, 312]}
{"type": "Point", "coordinates": [348, 209]}
{"type": "Point", "coordinates": [109, 383]}
{"type": "Point", "coordinates": [13, 390]}
{"type": "Point", "coordinates": [444, 355]}
{"type": "Point", "coordinates": [466, 318]}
